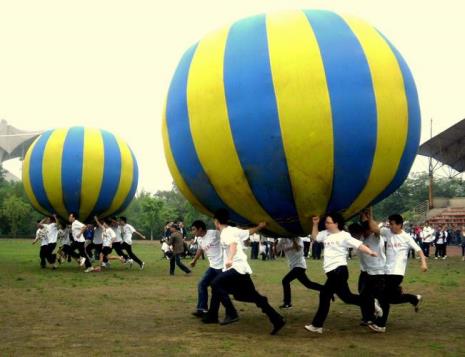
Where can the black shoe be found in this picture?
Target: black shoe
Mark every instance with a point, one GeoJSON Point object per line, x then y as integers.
{"type": "Point", "coordinates": [229, 320]}
{"type": "Point", "coordinates": [206, 319]}
{"type": "Point", "coordinates": [286, 306]}
{"type": "Point", "coordinates": [199, 313]}
{"type": "Point", "coordinates": [277, 326]}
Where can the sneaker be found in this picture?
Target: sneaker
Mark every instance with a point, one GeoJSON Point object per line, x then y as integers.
{"type": "Point", "coordinates": [312, 328]}
{"type": "Point", "coordinates": [130, 262]}
{"type": "Point", "coordinates": [199, 313]}
{"type": "Point", "coordinates": [420, 300]}
{"type": "Point", "coordinates": [278, 325]}
{"type": "Point", "coordinates": [89, 269]}
{"type": "Point", "coordinates": [104, 265]}
{"type": "Point", "coordinates": [377, 328]}
{"type": "Point", "coordinates": [378, 309]}
{"type": "Point", "coordinates": [436, 258]}
{"type": "Point", "coordinates": [445, 257]}
{"type": "Point", "coordinates": [82, 261]}
{"type": "Point", "coordinates": [142, 266]}
{"type": "Point", "coordinates": [286, 306]}
{"type": "Point", "coordinates": [229, 320]}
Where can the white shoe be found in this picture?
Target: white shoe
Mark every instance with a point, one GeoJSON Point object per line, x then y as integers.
{"type": "Point", "coordinates": [420, 300]}
{"type": "Point", "coordinates": [312, 328]}
{"type": "Point", "coordinates": [436, 258]}
{"type": "Point", "coordinates": [130, 262]}
{"type": "Point", "coordinates": [104, 265]}
{"type": "Point", "coordinates": [378, 309]}
{"type": "Point", "coordinates": [89, 269]}
{"type": "Point", "coordinates": [142, 266]}
{"type": "Point", "coordinates": [377, 328]}
{"type": "Point", "coordinates": [444, 257]}
{"type": "Point", "coordinates": [82, 261]}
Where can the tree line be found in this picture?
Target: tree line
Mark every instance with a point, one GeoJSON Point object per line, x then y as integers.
{"type": "Point", "coordinates": [149, 212]}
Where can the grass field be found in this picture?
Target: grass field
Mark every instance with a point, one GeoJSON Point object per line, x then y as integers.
{"type": "Point", "coordinates": [134, 312]}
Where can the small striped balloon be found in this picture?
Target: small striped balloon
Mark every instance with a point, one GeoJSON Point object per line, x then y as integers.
{"type": "Point", "coordinates": [80, 170]}
{"type": "Point", "coordinates": [282, 116]}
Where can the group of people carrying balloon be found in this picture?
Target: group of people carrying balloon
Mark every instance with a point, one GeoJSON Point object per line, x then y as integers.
{"type": "Point", "coordinates": [383, 263]}
{"type": "Point", "coordinates": [82, 242]}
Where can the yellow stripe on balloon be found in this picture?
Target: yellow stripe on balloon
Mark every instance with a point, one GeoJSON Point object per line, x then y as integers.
{"type": "Point", "coordinates": [304, 110]}
{"type": "Point", "coordinates": [182, 186]}
{"type": "Point", "coordinates": [126, 177]}
{"type": "Point", "coordinates": [211, 133]}
{"type": "Point", "coordinates": [93, 162]}
{"type": "Point", "coordinates": [392, 111]}
{"type": "Point", "coordinates": [51, 170]}
{"type": "Point", "coordinates": [27, 180]}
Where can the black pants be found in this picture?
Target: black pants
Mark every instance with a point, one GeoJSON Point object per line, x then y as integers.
{"type": "Point", "coordinates": [243, 289]}
{"type": "Point", "coordinates": [175, 259]}
{"type": "Point", "coordinates": [463, 250]}
{"type": "Point", "coordinates": [79, 246]}
{"type": "Point", "coordinates": [128, 249]}
{"type": "Point", "coordinates": [106, 251]}
{"type": "Point", "coordinates": [335, 284]}
{"type": "Point", "coordinates": [306, 249]}
{"type": "Point", "coordinates": [254, 250]}
{"type": "Point", "coordinates": [362, 279]}
{"type": "Point", "coordinates": [118, 247]}
{"type": "Point", "coordinates": [393, 294]}
{"type": "Point", "coordinates": [66, 251]}
{"type": "Point", "coordinates": [425, 249]}
{"type": "Point", "coordinates": [440, 251]}
{"type": "Point", "coordinates": [299, 274]}
{"type": "Point", "coordinates": [51, 258]}
{"type": "Point", "coordinates": [43, 253]}
{"type": "Point", "coordinates": [372, 289]}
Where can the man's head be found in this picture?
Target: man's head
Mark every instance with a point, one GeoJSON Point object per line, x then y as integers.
{"type": "Point", "coordinates": [72, 217]}
{"type": "Point", "coordinates": [221, 218]}
{"type": "Point", "coordinates": [198, 228]}
{"type": "Point", "coordinates": [396, 222]}
{"type": "Point", "coordinates": [123, 220]}
{"type": "Point", "coordinates": [173, 227]}
{"type": "Point", "coordinates": [356, 230]}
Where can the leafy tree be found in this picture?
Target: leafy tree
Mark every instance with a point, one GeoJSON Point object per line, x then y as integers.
{"type": "Point", "coordinates": [15, 211]}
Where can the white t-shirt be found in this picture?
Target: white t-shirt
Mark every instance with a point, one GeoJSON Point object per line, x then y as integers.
{"type": "Point", "coordinates": [210, 244]}
{"type": "Point", "coordinates": [118, 236]}
{"type": "Point", "coordinates": [336, 245]}
{"type": "Point", "coordinates": [107, 236]}
{"type": "Point", "coordinates": [231, 235]}
{"type": "Point", "coordinates": [255, 237]}
{"type": "Point", "coordinates": [127, 230]}
{"type": "Point", "coordinates": [52, 232]}
{"type": "Point", "coordinates": [374, 265]}
{"type": "Point", "coordinates": [428, 234]}
{"type": "Point", "coordinates": [397, 247]}
{"type": "Point", "coordinates": [306, 239]}
{"type": "Point", "coordinates": [98, 235]}
{"type": "Point", "coordinates": [294, 257]}
{"type": "Point", "coordinates": [76, 227]}
{"type": "Point", "coordinates": [65, 240]}
{"type": "Point", "coordinates": [41, 234]}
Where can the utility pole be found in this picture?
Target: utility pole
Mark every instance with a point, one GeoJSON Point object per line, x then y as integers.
{"type": "Point", "coordinates": [430, 171]}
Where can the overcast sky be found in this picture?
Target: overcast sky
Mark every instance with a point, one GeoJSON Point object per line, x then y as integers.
{"type": "Point", "coordinates": [108, 64]}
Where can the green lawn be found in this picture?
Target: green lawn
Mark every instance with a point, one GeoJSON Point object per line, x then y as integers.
{"type": "Point", "coordinates": [133, 312]}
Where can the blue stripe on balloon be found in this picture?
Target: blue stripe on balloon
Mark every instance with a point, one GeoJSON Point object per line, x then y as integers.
{"type": "Point", "coordinates": [35, 172]}
{"type": "Point", "coordinates": [414, 126]}
{"type": "Point", "coordinates": [111, 173]}
{"type": "Point", "coordinates": [182, 146]}
{"type": "Point", "coordinates": [353, 106]}
{"type": "Point", "coordinates": [135, 180]}
{"type": "Point", "coordinates": [250, 98]}
{"type": "Point", "coordinates": [71, 169]}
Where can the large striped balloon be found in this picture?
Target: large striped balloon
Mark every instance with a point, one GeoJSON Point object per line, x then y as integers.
{"type": "Point", "coordinates": [81, 170]}
{"type": "Point", "coordinates": [282, 116]}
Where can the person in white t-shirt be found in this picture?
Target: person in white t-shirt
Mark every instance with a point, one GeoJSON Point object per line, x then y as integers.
{"type": "Point", "coordinates": [118, 241]}
{"type": "Point", "coordinates": [209, 243]}
{"type": "Point", "coordinates": [254, 245]}
{"type": "Point", "coordinates": [336, 243]}
{"type": "Point", "coordinates": [398, 243]}
{"type": "Point", "coordinates": [77, 230]}
{"type": "Point", "coordinates": [127, 232]}
{"type": "Point", "coordinates": [235, 278]}
{"type": "Point", "coordinates": [64, 251]}
{"type": "Point", "coordinates": [41, 234]}
{"type": "Point", "coordinates": [293, 248]}
{"type": "Point", "coordinates": [427, 237]}
{"type": "Point", "coordinates": [108, 237]}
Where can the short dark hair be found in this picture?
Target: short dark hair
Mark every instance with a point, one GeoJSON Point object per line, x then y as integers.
{"type": "Point", "coordinates": [222, 215]}
{"type": "Point", "coordinates": [355, 229]}
{"type": "Point", "coordinates": [123, 218]}
{"type": "Point", "coordinates": [74, 214]}
{"type": "Point", "coordinates": [337, 218]}
{"type": "Point", "coordinates": [199, 225]}
{"type": "Point", "coordinates": [397, 218]}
